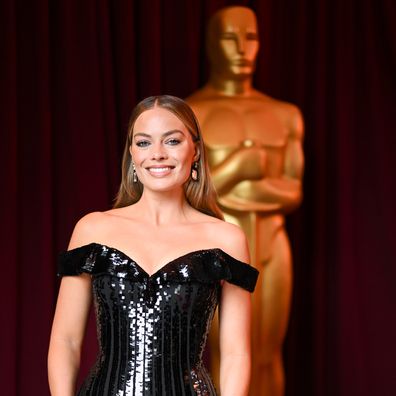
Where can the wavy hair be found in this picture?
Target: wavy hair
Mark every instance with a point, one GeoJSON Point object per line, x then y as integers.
{"type": "Point", "coordinates": [200, 194]}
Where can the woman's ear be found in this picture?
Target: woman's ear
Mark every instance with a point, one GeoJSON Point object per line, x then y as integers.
{"type": "Point", "coordinates": [197, 153]}
{"type": "Point", "coordinates": [130, 150]}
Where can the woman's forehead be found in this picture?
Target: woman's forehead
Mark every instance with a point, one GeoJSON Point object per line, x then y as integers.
{"type": "Point", "coordinates": [158, 119]}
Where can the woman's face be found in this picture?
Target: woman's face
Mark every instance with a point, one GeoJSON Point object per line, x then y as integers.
{"type": "Point", "coordinates": [162, 150]}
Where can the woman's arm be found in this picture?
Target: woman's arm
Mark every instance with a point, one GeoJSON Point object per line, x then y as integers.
{"type": "Point", "coordinates": [71, 315]}
{"type": "Point", "coordinates": [67, 334]}
{"type": "Point", "coordinates": [235, 354]}
{"type": "Point", "coordinates": [235, 337]}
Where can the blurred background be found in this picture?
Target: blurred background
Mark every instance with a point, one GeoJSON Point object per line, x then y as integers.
{"type": "Point", "coordinates": [70, 74]}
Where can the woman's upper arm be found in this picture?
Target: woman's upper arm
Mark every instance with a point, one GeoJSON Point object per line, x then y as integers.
{"type": "Point", "coordinates": [235, 303]}
{"type": "Point", "coordinates": [72, 308]}
{"type": "Point", "coordinates": [74, 298]}
{"type": "Point", "coordinates": [235, 317]}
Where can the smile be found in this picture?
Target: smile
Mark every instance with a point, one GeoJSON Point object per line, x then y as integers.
{"type": "Point", "coordinates": [160, 171]}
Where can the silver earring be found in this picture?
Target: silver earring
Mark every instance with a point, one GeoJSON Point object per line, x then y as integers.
{"type": "Point", "coordinates": [134, 175]}
{"type": "Point", "coordinates": [194, 171]}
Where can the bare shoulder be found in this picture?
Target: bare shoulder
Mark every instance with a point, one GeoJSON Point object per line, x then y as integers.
{"type": "Point", "coordinates": [294, 119]}
{"type": "Point", "coordinates": [88, 229]}
{"type": "Point", "coordinates": [202, 94]}
{"type": "Point", "coordinates": [231, 239]}
{"type": "Point", "coordinates": [288, 111]}
{"type": "Point", "coordinates": [205, 101]}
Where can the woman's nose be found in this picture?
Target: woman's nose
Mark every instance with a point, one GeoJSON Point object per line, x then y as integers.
{"type": "Point", "coordinates": [158, 153]}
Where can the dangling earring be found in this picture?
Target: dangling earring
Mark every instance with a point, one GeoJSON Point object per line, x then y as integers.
{"type": "Point", "coordinates": [134, 175]}
{"type": "Point", "coordinates": [194, 171]}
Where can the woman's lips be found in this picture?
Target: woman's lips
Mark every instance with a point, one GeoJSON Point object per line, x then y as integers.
{"type": "Point", "coordinates": [159, 171]}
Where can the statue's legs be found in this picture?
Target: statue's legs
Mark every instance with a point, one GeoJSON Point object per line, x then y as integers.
{"type": "Point", "coordinates": [214, 351]}
{"type": "Point", "coordinates": [271, 305]}
{"type": "Point", "coordinates": [270, 254]}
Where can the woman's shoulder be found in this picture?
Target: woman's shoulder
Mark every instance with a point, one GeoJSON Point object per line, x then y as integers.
{"type": "Point", "coordinates": [84, 230]}
{"type": "Point", "coordinates": [230, 238]}
{"type": "Point", "coordinates": [91, 221]}
{"type": "Point", "coordinates": [225, 229]}
{"type": "Point", "coordinates": [90, 228]}
{"type": "Point", "coordinates": [94, 220]}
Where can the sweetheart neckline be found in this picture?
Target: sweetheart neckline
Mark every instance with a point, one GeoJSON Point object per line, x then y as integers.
{"type": "Point", "coordinates": [193, 252]}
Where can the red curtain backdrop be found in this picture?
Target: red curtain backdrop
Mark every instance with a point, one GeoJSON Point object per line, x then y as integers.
{"type": "Point", "coordinates": [70, 73]}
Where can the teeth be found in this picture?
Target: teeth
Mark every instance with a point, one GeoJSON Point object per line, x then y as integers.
{"type": "Point", "coordinates": [159, 169]}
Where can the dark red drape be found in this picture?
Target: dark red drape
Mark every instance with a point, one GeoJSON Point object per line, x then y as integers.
{"type": "Point", "coordinates": [70, 73]}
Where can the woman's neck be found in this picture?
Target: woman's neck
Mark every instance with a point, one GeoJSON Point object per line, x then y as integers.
{"type": "Point", "coordinates": [162, 208]}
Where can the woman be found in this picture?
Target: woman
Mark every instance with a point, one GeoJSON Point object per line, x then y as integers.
{"type": "Point", "coordinates": [157, 265]}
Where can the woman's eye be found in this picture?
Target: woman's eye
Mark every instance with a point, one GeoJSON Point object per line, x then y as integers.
{"type": "Point", "coordinates": [173, 142]}
{"type": "Point", "coordinates": [142, 143]}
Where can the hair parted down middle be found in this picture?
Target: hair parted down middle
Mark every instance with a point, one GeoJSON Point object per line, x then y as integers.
{"type": "Point", "coordinates": [200, 194]}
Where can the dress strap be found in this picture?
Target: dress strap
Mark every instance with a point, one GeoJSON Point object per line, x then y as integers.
{"type": "Point", "coordinates": [239, 273]}
{"type": "Point", "coordinates": [77, 261]}
{"type": "Point", "coordinates": [202, 265]}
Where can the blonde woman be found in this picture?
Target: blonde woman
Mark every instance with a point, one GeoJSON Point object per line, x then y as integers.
{"type": "Point", "coordinates": [156, 266]}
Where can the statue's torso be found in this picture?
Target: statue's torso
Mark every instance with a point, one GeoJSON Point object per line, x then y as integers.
{"type": "Point", "coordinates": [227, 122]}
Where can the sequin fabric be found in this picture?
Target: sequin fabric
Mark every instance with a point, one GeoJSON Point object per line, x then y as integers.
{"type": "Point", "coordinates": [152, 330]}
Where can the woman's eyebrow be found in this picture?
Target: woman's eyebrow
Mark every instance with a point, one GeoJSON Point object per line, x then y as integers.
{"type": "Point", "coordinates": [165, 134]}
{"type": "Point", "coordinates": [172, 132]}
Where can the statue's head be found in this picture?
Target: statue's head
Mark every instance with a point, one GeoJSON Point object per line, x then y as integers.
{"type": "Point", "coordinates": [232, 42]}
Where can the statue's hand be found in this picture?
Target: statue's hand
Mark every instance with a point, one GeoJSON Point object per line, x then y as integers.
{"type": "Point", "coordinates": [251, 161]}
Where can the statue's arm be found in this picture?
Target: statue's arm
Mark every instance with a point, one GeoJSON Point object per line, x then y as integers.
{"type": "Point", "coordinates": [245, 163]}
{"type": "Point", "coordinates": [284, 192]}
{"type": "Point", "coordinates": [287, 190]}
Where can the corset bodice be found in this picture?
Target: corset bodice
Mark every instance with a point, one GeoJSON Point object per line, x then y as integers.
{"type": "Point", "coordinates": [152, 329]}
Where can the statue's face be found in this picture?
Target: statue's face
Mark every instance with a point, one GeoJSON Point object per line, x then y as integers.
{"type": "Point", "coordinates": [233, 42]}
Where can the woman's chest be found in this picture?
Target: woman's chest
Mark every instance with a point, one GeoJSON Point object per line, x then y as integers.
{"type": "Point", "coordinates": [154, 297]}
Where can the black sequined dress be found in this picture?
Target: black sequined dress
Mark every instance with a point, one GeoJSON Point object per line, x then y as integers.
{"type": "Point", "coordinates": [152, 329]}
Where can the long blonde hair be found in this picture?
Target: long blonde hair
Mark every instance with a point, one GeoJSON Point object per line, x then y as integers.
{"type": "Point", "coordinates": [200, 194]}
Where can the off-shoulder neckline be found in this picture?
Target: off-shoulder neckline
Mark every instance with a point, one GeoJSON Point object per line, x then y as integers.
{"type": "Point", "coordinates": [164, 266]}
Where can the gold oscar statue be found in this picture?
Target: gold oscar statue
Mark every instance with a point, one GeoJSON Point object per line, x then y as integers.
{"type": "Point", "coordinates": [254, 144]}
